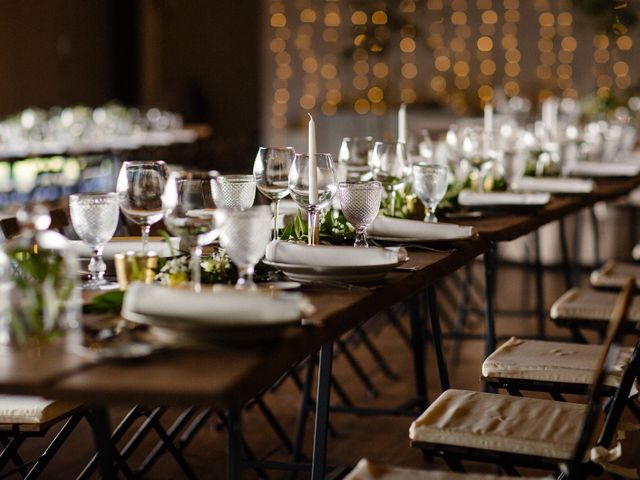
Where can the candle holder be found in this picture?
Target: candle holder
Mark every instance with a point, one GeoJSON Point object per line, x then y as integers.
{"type": "Point", "coordinates": [301, 189]}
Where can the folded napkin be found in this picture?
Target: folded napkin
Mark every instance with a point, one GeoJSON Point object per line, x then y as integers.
{"type": "Point", "coordinates": [467, 198]}
{"type": "Point", "coordinates": [400, 228]}
{"type": "Point", "coordinates": [609, 169]}
{"type": "Point", "coordinates": [81, 249]}
{"type": "Point", "coordinates": [552, 185]}
{"type": "Point", "coordinates": [628, 157]}
{"type": "Point", "coordinates": [279, 251]}
{"type": "Point", "coordinates": [213, 309]}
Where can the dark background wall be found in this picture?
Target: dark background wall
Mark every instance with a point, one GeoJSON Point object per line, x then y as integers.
{"type": "Point", "coordinates": [196, 57]}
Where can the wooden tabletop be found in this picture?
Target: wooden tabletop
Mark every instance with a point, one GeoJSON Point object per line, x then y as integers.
{"type": "Point", "coordinates": [221, 378]}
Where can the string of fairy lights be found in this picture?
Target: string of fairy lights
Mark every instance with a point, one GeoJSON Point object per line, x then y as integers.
{"type": "Point", "coordinates": [368, 57]}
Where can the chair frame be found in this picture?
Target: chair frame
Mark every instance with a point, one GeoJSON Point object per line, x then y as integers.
{"type": "Point", "coordinates": [453, 455]}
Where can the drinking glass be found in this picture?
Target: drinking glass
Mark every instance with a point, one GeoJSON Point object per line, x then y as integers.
{"type": "Point", "coordinates": [354, 157]}
{"type": "Point", "coordinates": [271, 171]}
{"type": "Point", "coordinates": [360, 204]}
{"type": "Point", "coordinates": [245, 235]}
{"type": "Point", "coordinates": [299, 188]}
{"type": "Point", "coordinates": [94, 217]}
{"type": "Point", "coordinates": [390, 166]}
{"type": "Point", "coordinates": [430, 184]}
{"type": "Point", "coordinates": [234, 191]}
{"type": "Point", "coordinates": [139, 187]}
{"type": "Point", "coordinates": [189, 214]}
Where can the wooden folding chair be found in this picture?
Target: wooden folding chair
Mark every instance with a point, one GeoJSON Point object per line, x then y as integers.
{"type": "Point", "coordinates": [517, 431]}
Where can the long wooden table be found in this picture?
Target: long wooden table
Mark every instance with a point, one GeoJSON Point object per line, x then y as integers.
{"type": "Point", "coordinates": [226, 380]}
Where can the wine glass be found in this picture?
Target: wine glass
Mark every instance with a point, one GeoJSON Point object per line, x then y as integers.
{"type": "Point", "coordinates": [94, 217]}
{"type": "Point", "coordinates": [360, 203]}
{"type": "Point", "coordinates": [244, 236]}
{"type": "Point", "coordinates": [234, 191]}
{"type": "Point", "coordinates": [271, 171]}
{"type": "Point", "coordinates": [430, 183]}
{"type": "Point", "coordinates": [189, 213]}
{"type": "Point", "coordinates": [139, 188]}
{"type": "Point", "coordinates": [312, 202]}
{"type": "Point", "coordinates": [390, 166]}
{"type": "Point", "coordinates": [354, 157]}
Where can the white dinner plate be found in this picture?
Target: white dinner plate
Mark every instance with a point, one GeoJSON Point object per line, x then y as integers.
{"type": "Point", "coordinates": [318, 273]}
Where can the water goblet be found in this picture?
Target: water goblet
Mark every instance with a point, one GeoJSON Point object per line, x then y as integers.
{"type": "Point", "coordinates": [244, 236]}
{"type": "Point", "coordinates": [430, 184]}
{"type": "Point", "coordinates": [271, 171]}
{"type": "Point", "coordinates": [189, 214]}
{"type": "Point", "coordinates": [390, 166]}
{"type": "Point", "coordinates": [234, 191]}
{"type": "Point", "coordinates": [299, 188]}
{"type": "Point", "coordinates": [94, 217]}
{"type": "Point", "coordinates": [360, 203]}
{"type": "Point", "coordinates": [354, 157]}
{"type": "Point", "coordinates": [139, 187]}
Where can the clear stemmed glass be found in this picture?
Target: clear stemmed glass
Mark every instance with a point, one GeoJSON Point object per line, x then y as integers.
{"type": "Point", "coordinates": [390, 166]}
{"type": "Point", "coordinates": [234, 191]}
{"type": "Point", "coordinates": [271, 171]}
{"type": "Point", "coordinates": [189, 214]}
{"type": "Point", "coordinates": [245, 235]}
{"type": "Point", "coordinates": [354, 157]}
{"type": "Point", "coordinates": [139, 187]}
{"type": "Point", "coordinates": [299, 187]}
{"type": "Point", "coordinates": [94, 217]}
{"type": "Point", "coordinates": [430, 183]}
{"type": "Point", "coordinates": [360, 204]}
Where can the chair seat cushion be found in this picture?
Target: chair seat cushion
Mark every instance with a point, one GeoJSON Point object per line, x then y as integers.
{"type": "Point", "coordinates": [23, 409]}
{"type": "Point", "coordinates": [559, 362]}
{"type": "Point", "coordinates": [500, 423]}
{"type": "Point", "coordinates": [585, 304]}
{"type": "Point", "coordinates": [365, 470]}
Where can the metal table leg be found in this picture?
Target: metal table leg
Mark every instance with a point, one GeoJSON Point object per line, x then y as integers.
{"type": "Point", "coordinates": [323, 397]}
{"type": "Point", "coordinates": [99, 419]}
{"type": "Point", "coordinates": [490, 292]}
{"type": "Point", "coordinates": [234, 443]}
{"type": "Point", "coordinates": [437, 337]}
{"type": "Point", "coordinates": [540, 311]}
{"type": "Point", "coordinates": [566, 261]}
{"type": "Point", "coordinates": [419, 352]}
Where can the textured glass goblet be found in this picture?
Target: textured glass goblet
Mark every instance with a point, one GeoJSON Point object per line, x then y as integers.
{"type": "Point", "coordinates": [430, 184]}
{"type": "Point", "coordinates": [94, 217]}
{"type": "Point", "coordinates": [360, 203]}
{"type": "Point", "coordinates": [139, 187]}
{"type": "Point", "coordinates": [271, 170]}
{"type": "Point", "coordinates": [244, 236]}
{"type": "Point", "coordinates": [234, 191]}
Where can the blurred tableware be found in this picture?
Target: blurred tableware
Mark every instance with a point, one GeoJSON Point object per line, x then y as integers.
{"type": "Point", "coordinates": [390, 166]}
{"type": "Point", "coordinates": [299, 187]}
{"type": "Point", "coordinates": [600, 169]}
{"type": "Point", "coordinates": [195, 319]}
{"type": "Point", "coordinates": [139, 187]}
{"type": "Point", "coordinates": [94, 217]}
{"type": "Point", "coordinates": [188, 213]}
{"type": "Point", "coordinates": [234, 191]}
{"type": "Point", "coordinates": [135, 267]}
{"type": "Point", "coordinates": [160, 246]}
{"type": "Point", "coordinates": [271, 171]}
{"type": "Point", "coordinates": [244, 235]}
{"type": "Point", "coordinates": [354, 158]}
{"type": "Point", "coordinates": [360, 203]}
{"type": "Point", "coordinates": [552, 185]}
{"type": "Point", "coordinates": [467, 198]}
{"type": "Point", "coordinates": [430, 184]}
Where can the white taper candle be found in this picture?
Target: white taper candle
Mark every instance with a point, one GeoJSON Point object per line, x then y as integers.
{"type": "Point", "coordinates": [402, 123]}
{"type": "Point", "coordinates": [313, 171]}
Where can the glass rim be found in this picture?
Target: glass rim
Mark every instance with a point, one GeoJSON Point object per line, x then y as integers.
{"type": "Point", "coordinates": [429, 164]}
{"type": "Point", "coordinates": [143, 162]}
{"type": "Point", "coordinates": [87, 195]}
{"type": "Point", "coordinates": [278, 148]}
{"type": "Point", "coordinates": [360, 183]}
{"type": "Point", "coordinates": [322, 154]}
{"type": "Point", "coordinates": [368, 138]}
{"type": "Point", "coordinates": [235, 178]}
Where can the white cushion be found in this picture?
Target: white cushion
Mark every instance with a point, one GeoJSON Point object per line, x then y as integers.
{"type": "Point", "coordinates": [551, 362]}
{"type": "Point", "coordinates": [591, 305]}
{"type": "Point", "coordinates": [365, 470]}
{"type": "Point", "coordinates": [501, 423]}
{"type": "Point", "coordinates": [32, 410]}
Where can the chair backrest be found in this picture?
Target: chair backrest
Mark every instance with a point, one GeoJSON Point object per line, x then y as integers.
{"type": "Point", "coordinates": [10, 227]}
{"type": "Point", "coordinates": [608, 359]}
